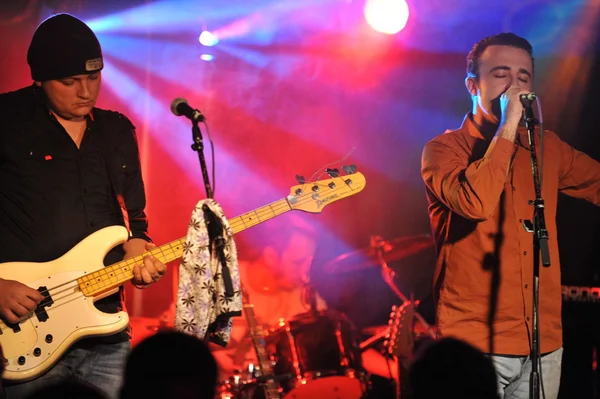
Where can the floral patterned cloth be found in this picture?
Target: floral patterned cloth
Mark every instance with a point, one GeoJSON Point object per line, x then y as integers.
{"type": "Point", "coordinates": [203, 309]}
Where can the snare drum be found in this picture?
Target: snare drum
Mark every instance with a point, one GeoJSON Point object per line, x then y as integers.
{"type": "Point", "coordinates": [321, 354]}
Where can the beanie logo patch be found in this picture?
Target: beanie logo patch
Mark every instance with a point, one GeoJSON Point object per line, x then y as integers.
{"type": "Point", "coordinates": [95, 64]}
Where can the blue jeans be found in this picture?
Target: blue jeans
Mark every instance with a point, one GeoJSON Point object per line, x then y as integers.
{"type": "Point", "coordinates": [513, 374]}
{"type": "Point", "coordinates": [99, 364]}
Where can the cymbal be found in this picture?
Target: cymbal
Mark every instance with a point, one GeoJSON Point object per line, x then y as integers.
{"type": "Point", "coordinates": [393, 250]}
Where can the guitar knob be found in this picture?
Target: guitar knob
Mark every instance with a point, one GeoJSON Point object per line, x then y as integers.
{"type": "Point", "coordinates": [21, 360]}
{"type": "Point", "coordinates": [37, 352]}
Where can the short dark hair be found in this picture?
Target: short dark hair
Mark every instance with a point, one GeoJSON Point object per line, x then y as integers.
{"type": "Point", "coordinates": [501, 39]}
{"type": "Point", "coordinates": [191, 368]}
{"type": "Point", "coordinates": [452, 368]}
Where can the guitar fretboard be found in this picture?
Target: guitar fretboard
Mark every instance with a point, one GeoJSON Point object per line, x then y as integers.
{"type": "Point", "coordinates": [117, 274]}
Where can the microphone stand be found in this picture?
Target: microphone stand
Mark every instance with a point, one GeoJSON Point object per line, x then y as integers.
{"type": "Point", "coordinates": [198, 146]}
{"type": "Point", "coordinates": [540, 249]}
{"type": "Point", "coordinates": [213, 223]}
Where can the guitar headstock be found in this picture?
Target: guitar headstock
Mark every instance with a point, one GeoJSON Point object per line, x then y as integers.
{"type": "Point", "coordinates": [400, 339]}
{"type": "Point", "coordinates": [313, 197]}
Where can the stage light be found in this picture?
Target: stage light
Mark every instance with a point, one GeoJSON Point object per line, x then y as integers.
{"type": "Point", "coordinates": [208, 39]}
{"type": "Point", "coordinates": [386, 16]}
{"type": "Point", "coordinates": [207, 57]}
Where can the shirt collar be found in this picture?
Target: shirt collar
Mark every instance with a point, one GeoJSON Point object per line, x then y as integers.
{"type": "Point", "coordinates": [470, 127]}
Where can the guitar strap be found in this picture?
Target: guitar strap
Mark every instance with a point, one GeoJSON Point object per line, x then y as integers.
{"type": "Point", "coordinates": [112, 167]}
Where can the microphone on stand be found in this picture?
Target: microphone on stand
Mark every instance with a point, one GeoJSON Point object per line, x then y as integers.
{"type": "Point", "coordinates": [527, 99]}
{"type": "Point", "coordinates": [180, 107]}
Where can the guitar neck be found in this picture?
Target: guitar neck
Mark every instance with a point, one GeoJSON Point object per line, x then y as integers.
{"type": "Point", "coordinates": [117, 274]}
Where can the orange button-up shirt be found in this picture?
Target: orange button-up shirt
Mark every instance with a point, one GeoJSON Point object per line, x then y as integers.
{"type": "Point", "coordinates": [478, 192]}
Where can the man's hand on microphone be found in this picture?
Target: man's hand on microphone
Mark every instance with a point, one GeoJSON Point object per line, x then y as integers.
{"type": "Point", "coordinates": [512, 112]}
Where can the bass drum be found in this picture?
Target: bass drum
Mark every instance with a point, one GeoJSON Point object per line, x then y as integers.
{"type": "Point", "coordinates": [320, 353]}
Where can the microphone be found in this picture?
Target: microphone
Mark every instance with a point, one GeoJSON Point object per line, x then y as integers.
{"type": "Point", "coordinates": [180, 106]}
{"type": "Point", "coordinates": [528, 97]}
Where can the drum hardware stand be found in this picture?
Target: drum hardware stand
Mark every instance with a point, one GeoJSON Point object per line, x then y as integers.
{"type": "Point", "coordinates": [378, 246]}
{"type": "Point", "coordinates": [309, 295]}
{"type": "Point", "coordinates": [269, 381]}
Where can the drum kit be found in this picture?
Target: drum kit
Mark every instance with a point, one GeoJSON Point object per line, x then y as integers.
{"type": "Point", "coordinates": [317, 354]}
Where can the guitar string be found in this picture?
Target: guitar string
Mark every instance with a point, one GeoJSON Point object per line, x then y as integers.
{"type": "Point", "coordinates": [53, 308]}
{"type": "Point", "coordinates": [133, 261]}
{"type": "Point", "coordinates": [8, 328]}
{"type": "Point", "coordinates": [282, 203]}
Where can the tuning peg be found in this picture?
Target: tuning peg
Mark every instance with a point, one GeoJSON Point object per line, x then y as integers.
{"type": "Point", "coordinates": [349, 169]}
{"type": "Point", "coordinates": [300, 179]}
{"type": "Point", "coordinates": [333, 172]}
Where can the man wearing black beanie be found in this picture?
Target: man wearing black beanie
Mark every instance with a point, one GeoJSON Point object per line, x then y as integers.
{"type": "Point", "coordinates": [68, 169]}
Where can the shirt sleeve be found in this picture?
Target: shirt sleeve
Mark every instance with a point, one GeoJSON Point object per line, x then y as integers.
{"type": "Point", "coordinates": [470, 189]}
{"type": "Point", "coordinates": [579, 174]}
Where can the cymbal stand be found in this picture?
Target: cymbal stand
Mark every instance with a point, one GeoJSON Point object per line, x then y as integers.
{"type": "Point", "coordinates": [388, 274]}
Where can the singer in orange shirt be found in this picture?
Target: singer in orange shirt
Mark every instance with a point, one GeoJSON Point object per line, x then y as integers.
{"type": "Point", "coordinates": [478, 181]}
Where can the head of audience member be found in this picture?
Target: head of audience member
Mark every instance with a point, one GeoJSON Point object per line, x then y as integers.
{"type": "Point", "coordinates": [451, 368]}
{"type": "Point", "coordinates": [70, 389]}
{"type": "Point", "coordinates": [170, 364]}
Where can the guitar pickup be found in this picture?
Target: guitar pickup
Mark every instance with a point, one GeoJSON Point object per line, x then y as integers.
{"type": "Point", "coordinates": [15, 327]}
{"type": "Point", "coordinates": [40, 311]}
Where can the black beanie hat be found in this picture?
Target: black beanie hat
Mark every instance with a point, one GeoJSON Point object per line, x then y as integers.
{"type": "Point", "coordinates": [63, 46]}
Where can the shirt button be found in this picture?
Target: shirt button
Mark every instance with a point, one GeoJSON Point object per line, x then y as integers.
{"type": "Point", "coordinates": [84, 190]}
{"type": "Point", "coordinates": [514, 188]}
{"type": "Point", "coordinates": [92, 223]}
{"type": "Point", "coordinates": [526, 286]}
{"type": "Point", "coordinates": [527, 318]}
{"type": "Point", "coordinates": [524, 252]}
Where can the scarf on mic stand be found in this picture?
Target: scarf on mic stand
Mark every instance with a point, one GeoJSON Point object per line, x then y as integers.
{"type": "Point", "coordinates": [203, 308]}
